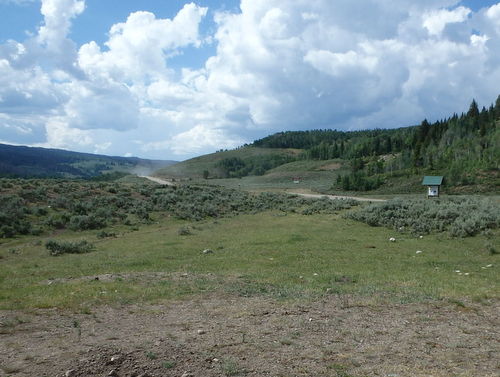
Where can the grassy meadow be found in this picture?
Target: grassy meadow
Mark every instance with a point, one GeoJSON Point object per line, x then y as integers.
{"type": "Point", "coordinates": [287, 256]}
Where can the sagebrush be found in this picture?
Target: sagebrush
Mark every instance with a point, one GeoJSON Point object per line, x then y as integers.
{"type": "Point", "coordinates": [59, 247]}
{"type": "Point", "coordinates": [34, 206]}
{"type": "Point", "coordinates": [459, 216]}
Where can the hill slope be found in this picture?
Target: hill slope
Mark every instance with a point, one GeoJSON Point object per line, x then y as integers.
{"type": "Point", "coordinates": [20, 161]}
{"type": "Point", "coordinates": [465, 149]}
{"type": "Point", "coordinates": [236, 163]}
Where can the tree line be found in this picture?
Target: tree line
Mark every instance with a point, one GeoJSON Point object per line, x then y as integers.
{"type": "Point", "coordinates": [459, 147]}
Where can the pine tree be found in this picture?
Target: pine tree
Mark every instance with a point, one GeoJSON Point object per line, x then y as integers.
{"type": "Point", "coordinates": [473, 110]}
{"type": "Point", "coordinates": [423, 130]}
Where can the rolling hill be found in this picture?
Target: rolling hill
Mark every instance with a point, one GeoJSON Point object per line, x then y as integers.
{"type": "Point", "coordinates": [237, 163]}
{"type": "Point", "coordinates": [31, 162]}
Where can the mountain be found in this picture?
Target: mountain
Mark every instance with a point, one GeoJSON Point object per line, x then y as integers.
{"type": "Point", "coordinates": [31, 162]}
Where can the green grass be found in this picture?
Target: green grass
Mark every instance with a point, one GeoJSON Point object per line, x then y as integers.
{"type": "Point", "coordinates": [281, 256]}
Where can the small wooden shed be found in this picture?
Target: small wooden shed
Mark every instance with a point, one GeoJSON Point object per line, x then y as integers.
{"type": "Point", "coordinates": [433, 184]}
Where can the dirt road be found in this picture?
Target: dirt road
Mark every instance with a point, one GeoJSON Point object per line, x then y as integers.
{"type": "Point", "coordinates": [306, 195]}
{"type": "Point", "coordinates": [158, 180]}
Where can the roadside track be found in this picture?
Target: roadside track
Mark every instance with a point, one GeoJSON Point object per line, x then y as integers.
{"type": "Point", "coordinates": [319, 196]}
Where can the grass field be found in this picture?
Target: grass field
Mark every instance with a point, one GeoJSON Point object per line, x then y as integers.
{"type": "Point", "coordinates": [281, 256]}
{"type": "Point", "coordinates": [263, 293]}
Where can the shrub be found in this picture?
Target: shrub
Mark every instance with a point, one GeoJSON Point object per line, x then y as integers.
{"type": "Point", "coordinates": [184, 231]}
{"type": "Point", "coordinates": [86, 222]}
{"type": "Point", "coordinates": [461, 217]}
{"type": "Point", "coordinates": [58, 220]}
{"type": "Point", "coordinates": [104, 234]}
{"type": "Point", "coordinates": [58, 247]}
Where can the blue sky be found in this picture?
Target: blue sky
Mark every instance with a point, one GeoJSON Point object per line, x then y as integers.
{"type": "Point", "coordinates": [172, 79]}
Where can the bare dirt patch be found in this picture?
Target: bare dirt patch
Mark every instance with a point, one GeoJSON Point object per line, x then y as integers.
{"type": "Point", "coordinates": [241, 336]}
{"type": "Point", "coordinates": [330, 167]}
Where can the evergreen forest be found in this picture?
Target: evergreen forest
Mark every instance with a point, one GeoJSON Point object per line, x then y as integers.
{"type": "Point", "coordinates": [464, 148]}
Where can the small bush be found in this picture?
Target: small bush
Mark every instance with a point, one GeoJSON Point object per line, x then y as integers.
{"type": "Point", "coordinates": [58, 220]}
{"type": "Point", "coordinates": [103, 234]}
{"type": "Point", "coordinates": [58, 247]}
{"type": "Point", "coordinates": [85, 222]}
{"type": "Point", "coordinates": [184, 231]}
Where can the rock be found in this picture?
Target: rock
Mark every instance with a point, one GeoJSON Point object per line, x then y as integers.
{"type": "Point", "coordinates": [392, 239]}
{"type": "Point", "coordinates": [113, 373]}
{"type": "Point", "coordinates": [114, 359]}
{"type": "Point", "coordinates": [207, 251]}
{"type": "Point", "coordinates": [201, 332]}
{"type": "Point", "coordinates": [70, 373]}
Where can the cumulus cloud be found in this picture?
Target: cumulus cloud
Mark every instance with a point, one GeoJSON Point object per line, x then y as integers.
{"type": "Point", "coordinates": [140, 46]}
{"type": "Point", "coordinates": [199, 138]}
{"type": "Point", "coordinates": [277, 65]}
{"type": "Point", "coordinates": [332, 64]}
{"type": "Point", "coordinates": [95, 105]}
{"type": "Point", "coordinates": [435, 21]}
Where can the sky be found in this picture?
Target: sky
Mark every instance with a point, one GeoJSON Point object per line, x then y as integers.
{"type": "Point", "coordinates": [172, 79]}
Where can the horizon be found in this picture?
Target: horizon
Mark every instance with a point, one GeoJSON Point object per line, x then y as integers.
{"type": "Point", "coordinates": [176, 80]}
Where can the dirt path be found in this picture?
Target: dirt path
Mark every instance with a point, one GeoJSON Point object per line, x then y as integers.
{"type": "Point", "coordinates": [253, 337]}
{"type": "Point", "coordinates": [318, 196]}
{"type": "Point", "coordinates": [158, 180]}
{"type": "Point", "coordinates": [306, 195]}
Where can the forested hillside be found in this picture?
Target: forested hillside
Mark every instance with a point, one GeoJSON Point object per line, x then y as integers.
{"type": "Point", "coordinates": [29, 162]}
{"type": "Point", "coordinates": [465, 148]}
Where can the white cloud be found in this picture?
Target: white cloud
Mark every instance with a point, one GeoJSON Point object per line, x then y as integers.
{"type": "Point", "coordinates": [95, 105]}
{"type": "Point", "coordinates": [57, 20]}
{"type": "Point", "coordinates": [493, 16]}
{"type": "Point", "coordinates": [140, 46]}
{"type": "Point", "coordinates": [198, 139]}
{"type": "Point", "coordinates": [339, 64]}
{"type": "Point", "coordinates": [278, 65]}
{"type": "Point", "coordinates": [436, 20]}
{"type": "Point", "coordinates": [60, 135]}
{"type": "Point", "coordinates": [27, 91]}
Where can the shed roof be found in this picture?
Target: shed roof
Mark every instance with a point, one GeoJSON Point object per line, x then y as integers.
{"type": "Point", "coordinates": [430, 180]}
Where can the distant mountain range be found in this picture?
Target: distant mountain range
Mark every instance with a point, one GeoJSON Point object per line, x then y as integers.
{"type": "Point", "coordinates": [31, 162]}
